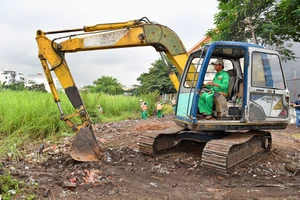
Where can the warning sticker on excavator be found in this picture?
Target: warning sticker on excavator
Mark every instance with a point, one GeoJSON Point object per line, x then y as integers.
{"type": "Point", "coordinates": [104, 39]}
{"type": "Point", "coordinates": [278, 106]}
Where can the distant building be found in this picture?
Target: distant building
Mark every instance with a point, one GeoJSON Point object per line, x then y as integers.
{"type": "Point", "coordinates": [9, 76]}
{"type": "Point", "coordinates": [39, 78]}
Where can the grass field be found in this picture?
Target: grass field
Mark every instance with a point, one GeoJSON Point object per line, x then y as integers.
{"type": "Point", "coordinates": [28, 116]}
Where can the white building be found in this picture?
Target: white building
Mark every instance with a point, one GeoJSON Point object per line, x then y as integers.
{"type": "Point", "coordinates": [9, 76]}
{"type": "Point", "coordinates": [39, 78]}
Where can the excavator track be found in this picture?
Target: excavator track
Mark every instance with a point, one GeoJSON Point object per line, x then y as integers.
{"type": "Point", "coordinates": [152, 142]}
{"type": "Point", "coordinates": [219, 156]}
{"type": "Point", "coordinates": [146, 143]}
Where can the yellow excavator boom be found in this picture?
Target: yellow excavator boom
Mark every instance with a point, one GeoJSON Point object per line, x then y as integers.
{"type": "Point", "coordinates": [135, 33]}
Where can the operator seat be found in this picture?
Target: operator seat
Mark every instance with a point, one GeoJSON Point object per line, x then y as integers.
{"type": "Point", "coordinates": [232, 81]}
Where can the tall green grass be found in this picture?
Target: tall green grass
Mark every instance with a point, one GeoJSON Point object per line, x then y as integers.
{"type": "Point", "coordinates": [117, 107]}
{"type": "Point", "coordinates": [27, 117]}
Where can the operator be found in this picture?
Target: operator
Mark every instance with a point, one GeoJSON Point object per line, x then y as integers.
{"type": "Point", "coordinates": [297, 108]}
{"type": "Point", "coordinates": [219, 84]}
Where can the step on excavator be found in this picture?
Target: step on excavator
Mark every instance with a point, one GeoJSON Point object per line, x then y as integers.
{"type": "Point", "coordinates": [257, 100]}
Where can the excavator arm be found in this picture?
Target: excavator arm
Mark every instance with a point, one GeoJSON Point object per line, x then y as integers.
{"type": "Point", "coordinates": [134, 33]}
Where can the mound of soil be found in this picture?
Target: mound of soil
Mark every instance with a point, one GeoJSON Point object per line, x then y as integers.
{"type": "Point", "coordinates": [125, 173]}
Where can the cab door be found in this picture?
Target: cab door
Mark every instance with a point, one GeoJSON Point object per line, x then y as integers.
{"type": "Point", "coordinates": [267, 97]}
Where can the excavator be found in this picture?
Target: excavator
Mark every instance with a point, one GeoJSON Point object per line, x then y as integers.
{"type": "Point", "coordinates": [257, 100]}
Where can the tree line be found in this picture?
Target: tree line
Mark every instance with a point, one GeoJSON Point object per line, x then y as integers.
{"type": "Point", "coordinates": [19, 86]}
{"type": "Point", "coordinates": [155, 80]}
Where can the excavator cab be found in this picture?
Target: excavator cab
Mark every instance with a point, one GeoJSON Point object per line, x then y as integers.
{"type": "Point", "coordinates": [257, 97]}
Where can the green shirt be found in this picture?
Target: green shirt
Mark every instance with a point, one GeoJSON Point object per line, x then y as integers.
{"type": "Point", "coordinates": [222, 79]}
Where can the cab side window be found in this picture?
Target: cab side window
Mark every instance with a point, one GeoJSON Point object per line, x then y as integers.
{"type": "Point", "coordinates": [266, 71]}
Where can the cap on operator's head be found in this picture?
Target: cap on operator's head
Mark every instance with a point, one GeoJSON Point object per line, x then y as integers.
{"type": "Point", "coordinates": [141, 100]}
{"type": "Point", "coordinates": [218, 62]}
{"type": "Point", "coordinates": [98, 105]}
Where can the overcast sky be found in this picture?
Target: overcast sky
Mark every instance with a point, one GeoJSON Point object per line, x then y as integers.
{"type": "Point", "coordinates": [20, 19]}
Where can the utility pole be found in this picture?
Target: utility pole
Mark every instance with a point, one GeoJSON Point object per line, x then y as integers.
{"type": "Point", "coordinates": [295, 74]}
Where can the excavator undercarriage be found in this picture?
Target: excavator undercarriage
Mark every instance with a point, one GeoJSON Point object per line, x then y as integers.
{"type": "Point", "coordinates": [222, 151]}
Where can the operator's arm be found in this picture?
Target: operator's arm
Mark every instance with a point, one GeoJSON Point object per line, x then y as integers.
{"type": "Point", "coordinates": [296, 104]}
{"type": "Point", "coordinates": [206, 85]}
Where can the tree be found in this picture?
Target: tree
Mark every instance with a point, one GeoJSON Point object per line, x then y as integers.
{"type": "Point", "coordinates": [287, 15]}
{"type": "Point", "coordinates": [251, 21]}
{"type": "Point", "coordinates": [106, 84]}
{"type": "Point", "coordinates": [16, 86]}
{"type": "Point", "coordinates": [37, 87]}
{"type": "Point", "coordinates": [135, 90]}
{"type": "Point", "coordinates": [157, 79]}
{"type": "Point", "coordinates": [238, 18]}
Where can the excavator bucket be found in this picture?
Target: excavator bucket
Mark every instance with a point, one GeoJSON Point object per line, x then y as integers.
{"type": "Point", "coordinates": [85, 146]}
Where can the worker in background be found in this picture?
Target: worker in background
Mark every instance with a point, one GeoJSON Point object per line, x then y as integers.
{"type": "Point", "coordinates": [141, 103]}
{"type": "Point", "coordinates": [145, 110]}
{"type": "Point", "coordinates": [141, 107]}
{"type": "Point", "coordinates": [297, 109]}
{"type": "Point", "coordinates": [100, 109]}
{"type": "Point", "coordinates": [219, 84]}
{"type": "Point", "coordinates": [173, 103]}
{"type": "Point", "coordinates": [159, 108]}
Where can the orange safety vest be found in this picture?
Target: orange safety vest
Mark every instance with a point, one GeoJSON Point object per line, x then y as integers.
{"type": "Point", "coordinates": [145, 107]}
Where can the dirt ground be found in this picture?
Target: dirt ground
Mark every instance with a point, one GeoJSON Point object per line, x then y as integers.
{"type": "Point", "coordinates": [124, 173]}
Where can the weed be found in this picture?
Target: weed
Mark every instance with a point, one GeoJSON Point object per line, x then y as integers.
{"type": "Point", "coordinates": [11, 188]}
